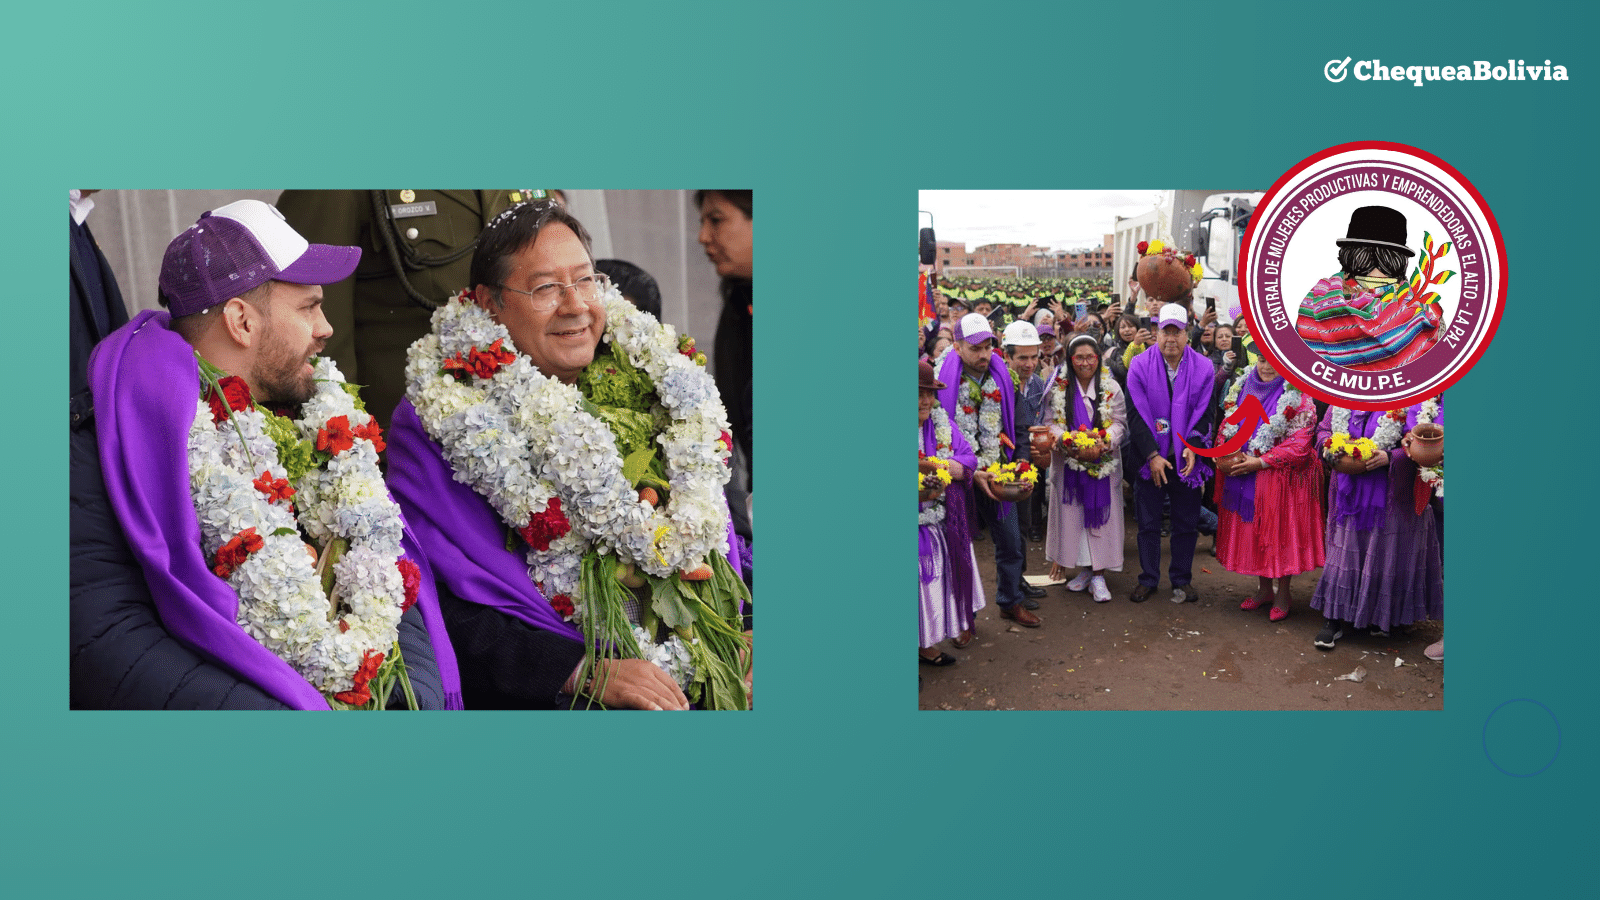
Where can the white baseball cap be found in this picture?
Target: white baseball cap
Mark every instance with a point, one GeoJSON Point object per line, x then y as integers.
{"type": "Point", "coordinates": [1021, 334]}
{"type": "Point", "coordinates": [1173, 314]}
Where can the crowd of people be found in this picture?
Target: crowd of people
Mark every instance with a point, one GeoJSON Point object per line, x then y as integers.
{"type": "Point", "coordinates": [550, 523]}
{"type": "Point", "coordinates": [1108, 406]}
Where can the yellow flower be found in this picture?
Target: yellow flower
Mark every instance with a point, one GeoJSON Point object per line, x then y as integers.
{"type": "Point", "coordinates": [944, 476]}
{"type": "Point", "coordinates": [1196, 272]}
{"type": "Point", "coordinates": [1156, 247]}
{"type": "Point", "coordinates": [1031, 476]}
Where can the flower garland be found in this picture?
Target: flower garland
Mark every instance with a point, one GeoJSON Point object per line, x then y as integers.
{"type": "Point", "coordinates": [548, 465]}
{"type": "Point", "coordinates": [1109, 461]}
{"type": "Point", "coordinates": [250, 530]}
{"type": "Point", "coordinates": [932, 512]}
{"type": "Point", "coordinates": [1277, 426]}
{"type": "Point", "coordinates": [1433, 476]}
{"type": "Point", "coordinates": [978, 414]}
{"type": "Point", "coordinates": [1385, 438]}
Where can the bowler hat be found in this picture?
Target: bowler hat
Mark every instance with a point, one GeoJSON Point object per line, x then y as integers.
{"type": "Point", "coordinates": [1378, 226]}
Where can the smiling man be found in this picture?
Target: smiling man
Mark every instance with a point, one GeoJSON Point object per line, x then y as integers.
{"type": "Point", "coordinates": [565, 572]}
{"type": "Point", "coordinates": [160, 617]}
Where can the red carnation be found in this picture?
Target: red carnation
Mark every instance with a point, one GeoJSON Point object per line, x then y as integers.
{"type": "Point", "coordinates": [235, 396]}
{"type": "Point", "coordinates": [1144, 247]}
{"type": "Point", "coordinates": [457, 364]}
{"type": "Point", "coordinates": [372, 431]}
{"type": "Point", "coordinates": [411, 575]}
{"type": "Point", "coordinates": [275, 488]}
{"type": "Point", "coordinates": [359, 695]}
{"type": "Point", "coordinates": [726, 439]}
{"type": "Point", "coordinates": [1023, 466]}
{"type": "Point", "coordinates": [562, 604]}
{"type": "Point", "coordinates": [231, 556]}
{"type": "Point", "coordinates": [542, 528]}
{"type": "Point", "coordinates": [968, 410]}
{"type": "Point", "coordinates": [1189, 260]}
{"type": "Point", "coordinates": [335, 437]}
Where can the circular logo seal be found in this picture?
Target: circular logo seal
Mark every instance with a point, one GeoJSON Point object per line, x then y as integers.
{"type": "Point", "coordinates": [1374, 275]}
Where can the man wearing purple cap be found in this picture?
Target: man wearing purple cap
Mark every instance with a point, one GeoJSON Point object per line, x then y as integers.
{"type": "Point", "coordinates": [1169, 386]}
{"type": "Point", "coordinates": [980, 399]}
{"type": "Point", "coordinates": [161, 618]}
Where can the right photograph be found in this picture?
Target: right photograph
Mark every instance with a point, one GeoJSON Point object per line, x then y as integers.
{"type": "Point", "coordinates": [1124, 506]}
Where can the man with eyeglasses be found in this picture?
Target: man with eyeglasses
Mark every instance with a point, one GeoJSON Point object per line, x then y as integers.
{"type": "Point", "coordinates": [511, 483]}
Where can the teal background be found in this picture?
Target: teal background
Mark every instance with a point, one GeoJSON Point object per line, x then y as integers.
{"type": "Point", "coordinates": [836, 114]}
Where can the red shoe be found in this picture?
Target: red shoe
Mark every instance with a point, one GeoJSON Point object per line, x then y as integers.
{"type": "Point", "coordinates": [1277, 615]}
{"type": "Point", "coordinates": [1253, 603]}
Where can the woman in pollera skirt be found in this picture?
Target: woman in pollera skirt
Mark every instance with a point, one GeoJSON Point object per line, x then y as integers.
{"type": "Point", "coordinates": [1269, 520]}
{"type": "Point", "coordinates": [950, 593]}
{"type": "Point", "coordinates": [1384, 566]}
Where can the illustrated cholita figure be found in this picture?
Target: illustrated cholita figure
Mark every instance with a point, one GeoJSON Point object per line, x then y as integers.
{"type": "Point", "coordinates": [1370, 316]}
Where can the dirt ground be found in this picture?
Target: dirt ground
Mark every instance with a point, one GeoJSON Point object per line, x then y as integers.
{"type": "Point", "coordinates": [1162, 655]}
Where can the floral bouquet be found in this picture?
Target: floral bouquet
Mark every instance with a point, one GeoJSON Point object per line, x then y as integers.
{"type": "Point", "coordinates": [1083, 443]}
{"type": "Point", "coordinates": [1350, 455]}
{"type": "Point", "coordinates": [933, 476]}
{"type": "Point", "coordinates": [1013, 480]}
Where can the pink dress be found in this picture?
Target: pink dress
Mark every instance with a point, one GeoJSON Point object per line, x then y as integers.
{"type": "Point", "coordinates": [1285, 535]}
{"type": "Point", "coordinates": [1067, 543]}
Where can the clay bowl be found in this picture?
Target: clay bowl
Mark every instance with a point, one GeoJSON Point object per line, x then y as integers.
{"type": "Point", "coordinates": [1225, 463]}
{"type": "Point", "coordinates": [1012, 491]}
{"type": "Point", "coordinates": [1349, 465]}
{"type": "Point", "coordinates": [1426, 447]}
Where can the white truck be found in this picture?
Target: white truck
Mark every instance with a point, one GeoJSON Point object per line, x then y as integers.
{"type": "Point", "coordinates": [1209, 224]}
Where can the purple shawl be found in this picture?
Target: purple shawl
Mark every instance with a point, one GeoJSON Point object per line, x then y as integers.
{"type": "Point", "coordinates": [463, 535]}
{"type": "Point", "coordinates": [1093, 494]}
{"type": "Point", "coordinates": [146, 385]}
{"type": "Point", "coordinates": [1191, 393]}
{"type": "Point", "coordinates": [1363, 497]}
{"type": "Point", "coordinates": [950, 374]}
{"type": "Point", "coordinates": [956, 534]}
{"type": "Point", "coordinates": [1239, 491]}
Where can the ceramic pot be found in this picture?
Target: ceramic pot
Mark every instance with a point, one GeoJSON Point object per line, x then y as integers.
{"type": "Point", "coordinates": [1163, 277]}
{"type": "Point", "coordinates": [1426, 447]}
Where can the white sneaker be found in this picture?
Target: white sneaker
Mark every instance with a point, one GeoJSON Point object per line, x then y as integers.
{"type": "Point", "coordinates": [1081, 582]}
{"type": "Point", "coordinates": [1097, 587]}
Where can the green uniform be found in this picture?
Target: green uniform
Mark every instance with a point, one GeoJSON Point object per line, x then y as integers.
{"type": "Point", "coordinates": [416, 250]}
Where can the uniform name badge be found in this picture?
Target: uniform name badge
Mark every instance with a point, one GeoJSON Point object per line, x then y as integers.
{"type": "Point", "coordinates": [1163, 426]}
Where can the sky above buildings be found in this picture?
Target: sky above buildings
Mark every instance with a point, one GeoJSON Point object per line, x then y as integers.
{"type": "Point", "coordinates": [1059, 220]}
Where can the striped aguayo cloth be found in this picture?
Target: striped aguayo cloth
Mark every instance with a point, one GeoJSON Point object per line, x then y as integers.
{"type": "Point", "coordinates": [1369, 331]}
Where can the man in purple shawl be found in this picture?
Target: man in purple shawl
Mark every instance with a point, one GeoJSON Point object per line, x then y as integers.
{"type": "Point", "coordinates": [978, 391]}
{"type": "Point", "coordinates": [516, 650]}
{"type": "Point", "coordinates": [152, 625]}
{"type": "Point", "coordinates": [1169, 389]}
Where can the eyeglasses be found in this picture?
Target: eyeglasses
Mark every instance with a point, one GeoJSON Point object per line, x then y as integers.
{"type": "Point", "coordinates": [589, 288]}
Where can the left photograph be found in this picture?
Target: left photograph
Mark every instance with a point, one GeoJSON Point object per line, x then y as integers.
{"type": "Point", "coordinates": [407, 449]}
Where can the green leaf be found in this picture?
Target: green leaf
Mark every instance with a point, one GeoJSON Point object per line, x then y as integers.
{"type": "Point", "coordinates": [637, 465]}
{"type": "Point", "coordinates": [279, 532]}
{"type": "Point", "coordinates": [668, 601]}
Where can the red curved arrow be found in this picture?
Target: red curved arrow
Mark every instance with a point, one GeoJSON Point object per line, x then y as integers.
{"type": "Point", "coordinates": [1251, 413]}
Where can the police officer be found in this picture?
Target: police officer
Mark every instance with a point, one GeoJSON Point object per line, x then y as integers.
{"type": "Point", "coordinates": [416, 250]}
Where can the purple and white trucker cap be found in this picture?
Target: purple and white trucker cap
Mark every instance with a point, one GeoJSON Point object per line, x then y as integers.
{"type": "Point", "coordinates": [241, 246]}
